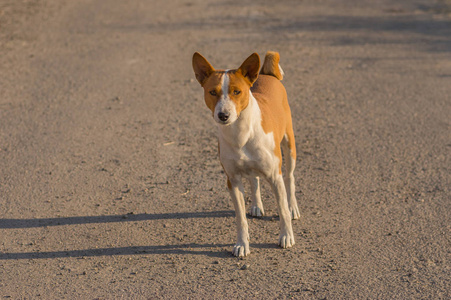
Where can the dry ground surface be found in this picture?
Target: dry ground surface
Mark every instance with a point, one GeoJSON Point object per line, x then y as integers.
{"type": "Point", "coordinates": [110, 186]}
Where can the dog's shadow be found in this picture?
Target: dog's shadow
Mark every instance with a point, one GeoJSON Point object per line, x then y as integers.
{"type": "Point", "coordinates": [211, 250]}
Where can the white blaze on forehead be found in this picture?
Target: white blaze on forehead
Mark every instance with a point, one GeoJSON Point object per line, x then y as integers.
{"type": "Point", "coordinates": [225, 84]}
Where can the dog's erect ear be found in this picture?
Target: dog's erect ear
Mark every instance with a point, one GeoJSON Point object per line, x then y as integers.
{"type": "Point", "coordinates": [249, 68]}
{"type": "Point", "coordinates": [202, 68]}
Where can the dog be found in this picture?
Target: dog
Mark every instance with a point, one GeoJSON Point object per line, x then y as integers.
{"type": "Point", "coordinates": [254, 124]}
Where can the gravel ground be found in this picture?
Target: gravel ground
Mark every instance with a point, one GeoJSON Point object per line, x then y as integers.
{"type": "Point", "coordinates": [110, 185]}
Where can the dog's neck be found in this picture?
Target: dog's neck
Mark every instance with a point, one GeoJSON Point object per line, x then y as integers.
{"type": "Point", "coordinates": [243, 129]}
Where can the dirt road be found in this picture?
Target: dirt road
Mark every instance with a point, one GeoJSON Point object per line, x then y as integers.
{"type": "Point", "coordinates": [110, 186]}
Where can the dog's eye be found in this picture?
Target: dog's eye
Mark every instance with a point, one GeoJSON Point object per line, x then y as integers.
{"type": "Point", "coordinates": [213, 93]}
{"type": "Point", "coordinates": [236, 92]}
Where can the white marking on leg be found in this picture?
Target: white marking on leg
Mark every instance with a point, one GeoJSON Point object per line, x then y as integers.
{"type": "Point", "coordinates": [257, 205]}
{"type": "Point", "coordinates": [286, 237]}
{"type": "Point", "coordinates": [291, 189]}
{"type": "Point", "coordinates": [288, 178]}
{"type": "Point", "coordinates": [241, 247]}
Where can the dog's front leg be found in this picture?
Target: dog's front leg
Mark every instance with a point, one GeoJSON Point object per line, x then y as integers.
{"type": "Point", "coordinates": [286, 237]}
{"type": "Point", "coordinates": [236, 190]}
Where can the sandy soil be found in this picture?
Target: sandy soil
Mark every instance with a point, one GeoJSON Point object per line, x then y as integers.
{"type": "Point", "coordinates": [110, 186]}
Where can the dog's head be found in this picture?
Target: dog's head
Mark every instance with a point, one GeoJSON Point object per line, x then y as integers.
{"type": "Point", "coordinates": [226, 93]}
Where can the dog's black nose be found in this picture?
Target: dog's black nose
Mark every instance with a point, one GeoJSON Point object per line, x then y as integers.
{"type": "Point", "coordinates": [223, 117]}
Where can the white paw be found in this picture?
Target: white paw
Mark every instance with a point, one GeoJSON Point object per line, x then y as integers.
{"type": "Point", "coordinates": [257, 212]}
{"type": "Point", "coordinates": [241, 250]}
{"type": "Point", "coordinates": [294, 210]}
{"type": "Point", "coordinates": [286, 240]}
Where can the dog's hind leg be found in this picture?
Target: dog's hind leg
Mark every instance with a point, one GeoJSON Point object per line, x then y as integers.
{"type": "Point", "coordinates": [257, 205]}
{"type": "Point", "coordinates": [289, 151]}
{"type": "Point", "coordinates": [286, 237]}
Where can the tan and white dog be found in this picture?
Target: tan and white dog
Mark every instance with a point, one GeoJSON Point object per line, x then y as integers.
{"type": "Point", "coordinates": [254, 120]}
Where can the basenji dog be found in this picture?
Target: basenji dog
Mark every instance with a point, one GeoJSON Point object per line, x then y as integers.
{"type": "Point", "coordinates": [254, 123]}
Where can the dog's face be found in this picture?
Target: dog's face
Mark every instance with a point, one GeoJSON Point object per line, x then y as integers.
{"type": "Point", "coordinates": [226, 93]}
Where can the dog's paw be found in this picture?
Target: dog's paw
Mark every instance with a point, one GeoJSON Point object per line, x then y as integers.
{"type": "Point", "coordinates": [256, 211]}
{"type": "Point", "coordinates": [294, 210]}
{"type": "Point", "coordinates": [241, 250]}
{"type": "Point", "coordinates": [286, 240]}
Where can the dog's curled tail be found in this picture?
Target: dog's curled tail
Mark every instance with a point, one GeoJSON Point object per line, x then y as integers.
{"type": "Point", "coordinates": [271, 65]}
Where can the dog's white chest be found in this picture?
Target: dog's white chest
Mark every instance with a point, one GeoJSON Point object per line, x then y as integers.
{"type": "Point", "coordinates": [256, 157]}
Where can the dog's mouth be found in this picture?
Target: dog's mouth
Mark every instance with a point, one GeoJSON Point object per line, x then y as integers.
{"type": "Point", "coordinates": [225, 123]}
